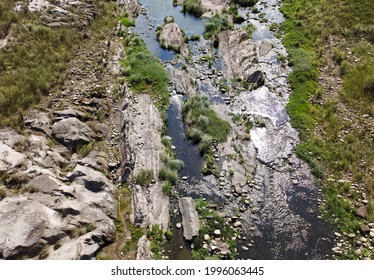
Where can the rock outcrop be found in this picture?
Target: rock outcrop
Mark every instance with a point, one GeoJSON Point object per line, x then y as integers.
{"type": "Point", "coordinates": [144, 249]}
{"type": "Point", "coordinates": [190, 217]}
{"type": "Point", "coordinates": [171, 37]}
{"type": "Point", "coordinates": [60, 202]}
{"type": "Point", "coordinates": [238, 52]}
{"type": "Point", "coordinates": [212, 7]}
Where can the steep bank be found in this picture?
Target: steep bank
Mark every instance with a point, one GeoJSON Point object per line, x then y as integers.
{"type": "Point", "coordinates": [59, 174]}
{"type": "Point", "coordinates": [331, 105]}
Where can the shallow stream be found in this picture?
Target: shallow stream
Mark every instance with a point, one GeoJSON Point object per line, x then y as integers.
{"type": "Point", "coordinates": [286, 224]}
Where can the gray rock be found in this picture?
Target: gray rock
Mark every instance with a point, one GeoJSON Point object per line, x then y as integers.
{"type": "Point", "coordinates": [144, 249]}
{"type": "Point", "coordinates": [217, 233]}
{"type": "Point", "coordinates": [239, 53]}
{"type": "Point", "coordinates": [364, 229]}
{"type": "Point", "coordinates": [23, 223]}
{"type": "Point", "coordinates": [159, 208]}
{"type": "Point", "coordinates": [190, 218]}
{"type": "Point", "coordinates": [237, 224]}
{"type": "Point", "coordinates": [72, 133]}
{"type": "Point", "coordinates": [68, 113]}
{"type": "Point", "coordinates": [238, 190]}
{"type": "Point", "coordinates": [139, 205]}
{"type": "Point", "coordinates": [10, 158]}
{"type": "Point", "coordinates": [362, 211]}
{"type": "Point", "coordinates": [38, 121]}
{"type": "Point", "coordinates": [171, 37]}
{"type": "Point", "coordinates": [257, 79]}
{"type": "Point", "coordinates": [45, 184]}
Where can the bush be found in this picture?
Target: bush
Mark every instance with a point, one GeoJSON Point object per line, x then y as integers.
{"type": "Point", "coordinates": [205, 144]}
{"type": "Point", "coordinates": [196, 113]}
{"type": "Point", "coordinates": [217, 24]}
{"type": "Point", "coordinates": [144, 177]}
{"type": "Point", "coordinates": [168, 175]}
{"type": "Point", "coordinates": [167, 188]}
{"type": "Point", "coordinates": [249, 29]}
{"type": "Point", "coordinates": [193, 7]}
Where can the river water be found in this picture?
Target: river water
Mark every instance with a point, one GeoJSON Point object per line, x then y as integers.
{"type": "Point", "coordinates": [287, 225]}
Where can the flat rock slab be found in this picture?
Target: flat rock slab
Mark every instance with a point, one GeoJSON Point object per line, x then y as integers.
{"type": "Point", "coordinates": [190, 218]}
{"type": "Point", "coordinates": [71, 132]}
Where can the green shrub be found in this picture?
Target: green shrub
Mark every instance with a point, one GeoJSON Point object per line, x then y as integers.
{"type": "Point", "coordinates": [205, 144]}
{"type": "Point", "coordinates": [143, 177]}
{"type": "Point", "coordinates": [249, 28]}
{"type": "Point", "coordinates": [193, 6]}
{"type": "Point", "coordinates": [168, 175]}
{"type": "Point", "coordinates": [167, 188]}
{"type": "Point", "coordinates": [217, 24]}
{"type": "Point", "coordinates": [193, 110]}
{"type": "Point", "coordinates": [127, 22]}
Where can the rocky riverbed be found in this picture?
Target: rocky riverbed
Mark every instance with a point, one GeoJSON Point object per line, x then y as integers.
{"type": "Point", "coordinates": [61, 174]}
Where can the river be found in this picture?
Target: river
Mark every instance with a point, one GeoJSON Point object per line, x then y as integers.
{"type": "Point", "coordinates": [282, 221]}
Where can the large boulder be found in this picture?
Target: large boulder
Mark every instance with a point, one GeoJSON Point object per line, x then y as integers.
{"type": "Point", "coordinates": [238, 53]}
{"type": "Point", "coordinates": [171, 37]}
{"type": "Point", "coordinates": [10, 158]}
{"type": "Point", "coordinates": [256, 79]}
{"type": "Point", "coordinates": [190, 217]}
{"type": "Point", "coordinates": [159, 208]}
{"type": "Point", "coordinates": [23, 223]}
{"type": "Point", "coordinates": [72, 133]}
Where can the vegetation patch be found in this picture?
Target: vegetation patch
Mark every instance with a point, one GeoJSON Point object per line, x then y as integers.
{"type": "Point", "coordinates": [217, 24]}
{"type": "Point", "coordinates": [192, 6]}
{"type": "Point", "coordinates": [143, 177]}
{"type": "Point", "coordinates": [209, 222]}
{"type": "Point", "coordinates": [331, 144]}
{"type": "Point", "coordinates": [145, 72]}
{"type": "Point", "coordinates": [34, 62]}
{"type": "Point", "coordinates": [205, 128]}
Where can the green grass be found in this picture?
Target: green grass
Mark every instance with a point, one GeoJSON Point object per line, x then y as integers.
{"type": "Point", "coordinates": [169, 175]}
{"type": "Point", "coordinates": [192, 6]}
{"type": "Point", "coordinates": [217, 24]}
{"type": "Point", "coordinates": [167, 188]}
{"type": "Point", "coordinates": [197, 107]}
{"type": "Point", "coordinates": [308, 26]}
{"type": "Point", "coordinates": [156, 237]}
{"type": "Point", "coordinates": [145, 72]}
{"type": "Point", "coordinates": [36, 58]}
{"type": "Point", "coordinates": [249, 28]}
{"type": "Point", "coordinates": [143, 177]}
{"type": "Point", "coordinates": [203, 128]}
{"type": "Point", "coordinates": [127, 21]}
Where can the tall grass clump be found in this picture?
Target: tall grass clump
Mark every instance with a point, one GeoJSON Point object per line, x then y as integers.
{"type": "Point", "coordinates": [204, 127]}
{"type": "Point", "coordinates": [193, 6]}
{"type": "Point", "coordinates": [217, 24]}
{"type": "Point", "coordinates": [143, 177]}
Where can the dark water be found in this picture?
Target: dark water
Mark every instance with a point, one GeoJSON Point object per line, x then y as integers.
{"type": "Point", "coordinates": [184, 150]}
{"type": "Point", "coordinates": [156, 11]}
